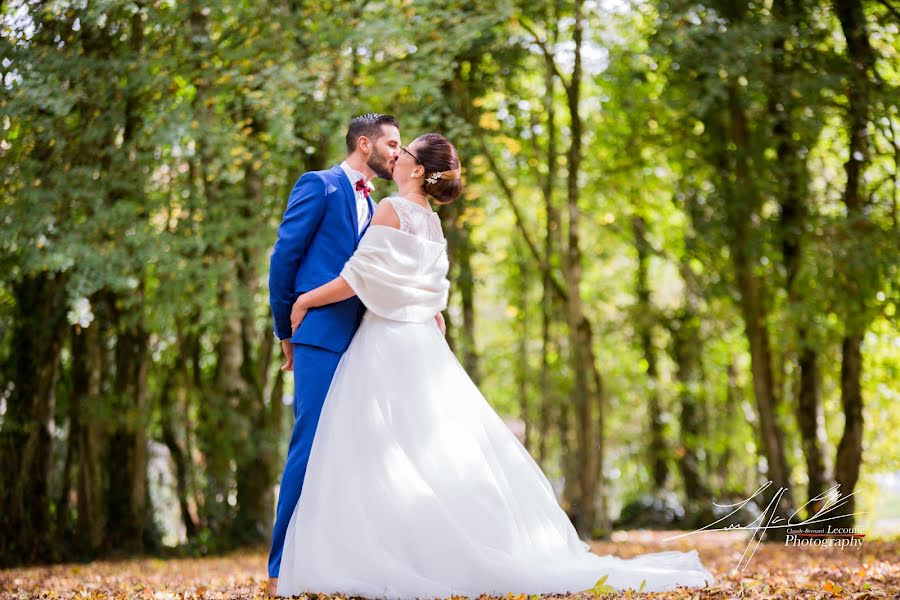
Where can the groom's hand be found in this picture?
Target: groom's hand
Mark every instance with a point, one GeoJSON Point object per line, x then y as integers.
{"type": "Point", "coordinates": [288, 348]}
{"type": "Point", "coordinates": [439, 319]}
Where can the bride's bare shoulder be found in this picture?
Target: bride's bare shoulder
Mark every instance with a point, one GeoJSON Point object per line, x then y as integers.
{"type": "Point", "coordinates": [386, 214]}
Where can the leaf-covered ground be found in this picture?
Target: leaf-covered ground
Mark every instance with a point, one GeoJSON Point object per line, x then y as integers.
{"type": "Point", "coordinates": [775, 571]}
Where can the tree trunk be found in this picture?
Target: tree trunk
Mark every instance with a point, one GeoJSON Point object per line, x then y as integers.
{"type": "Point", "coordinates": [849, 452]}
{"type": "Point", "coordinates": [686, 352]}
{"type": "Point", "coordinates": [87, 432]}
{"type": "Point", "coordinates": [552, 244]}
{"type": "Point", "coordinates": [257, 449]}
{"type": "Point", "coordinates": [179, 459]}
{"type": "Point", "coordinates": [602, 524]}
{"type": "Point", "coordinates": [569, 457]}
{"type": "Point", "coordinates": [547, 395]}
{"type": "Point", "coordinates": [458, 230]}
{"type": "Point", "coordinates": [191, 372]}
{"type": "Point", "coordinates": [771, 436]}
{"type": "Point", "coordinates": [25, 442]}
{"type": "Point", "coordinates": [521, 368]}
{"type": "Point", "coordinates": [127, 506]}
{"type": "Point", "coordinates": [63, 527]}
{"type": "Point", "coordinates": [583, 465]}
{"type": "Point", "coordinates": [732, 405]}
{"type": "Point", "coordinates": [582, 509]}
{"type": "Point", "coordinates": [809, 417]}
{"type": "Point", "coordinates": [791, 173]}
{"type": "Point", "coordinates": [862, 60]}
{"type": "Point", "coordinates": [220, 424]}
{"type": "Point", "coordinates": [741, 214]}
{"type": "Point", "coordinates": [656, 447]}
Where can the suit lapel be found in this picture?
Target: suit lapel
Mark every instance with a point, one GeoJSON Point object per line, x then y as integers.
{"type": "Point", "coordinates": [349, 198]}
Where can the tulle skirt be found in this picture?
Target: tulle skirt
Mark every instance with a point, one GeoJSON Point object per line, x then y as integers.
{"type": "Point", "coordinates": [417, 489]}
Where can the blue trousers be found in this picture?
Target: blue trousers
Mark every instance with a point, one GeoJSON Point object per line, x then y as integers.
{"type": "Point", "coordinates": [313, 370]}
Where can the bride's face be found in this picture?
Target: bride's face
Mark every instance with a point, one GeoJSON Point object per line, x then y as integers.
{"type": "Point", "coordinates": [408, 165]}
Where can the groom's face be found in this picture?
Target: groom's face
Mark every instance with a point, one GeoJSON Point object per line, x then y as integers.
{"type": "Point", "coordinates": [385, 152]}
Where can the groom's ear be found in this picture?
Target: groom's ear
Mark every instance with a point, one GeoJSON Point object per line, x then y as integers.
{"type": "Point", "coordinates": [364, 144]}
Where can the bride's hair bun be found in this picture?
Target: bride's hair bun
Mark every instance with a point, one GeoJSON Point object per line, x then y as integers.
{"type": "Point", "coordinates": [442, 169]}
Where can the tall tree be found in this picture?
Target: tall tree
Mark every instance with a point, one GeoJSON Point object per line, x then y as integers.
{"type": "Point", "coordinates": [858, 89]}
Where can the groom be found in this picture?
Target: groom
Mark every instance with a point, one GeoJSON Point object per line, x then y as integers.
{"type": "Point", "coordinates": [327, 213]}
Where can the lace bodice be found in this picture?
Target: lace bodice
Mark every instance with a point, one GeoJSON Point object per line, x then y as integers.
{"type": "Point", "coordinates": [417, 219]}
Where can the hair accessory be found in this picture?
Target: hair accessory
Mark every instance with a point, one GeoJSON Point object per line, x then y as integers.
{"type": "Point", "coordinates": [432, 179]}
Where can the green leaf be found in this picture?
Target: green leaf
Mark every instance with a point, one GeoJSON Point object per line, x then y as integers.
{"type": "Point", "coordinates": [601, 588]}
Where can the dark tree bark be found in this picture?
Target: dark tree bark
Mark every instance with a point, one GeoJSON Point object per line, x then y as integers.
{"type": "Point", "coordinates": [458, 230]}
{"type": "Point", "coordinates": [791, 174]}
{"type": "Point", "coordinates": [38, 329]}
{"type": "Point", "coordinates": [64, 521]}
{"type": "Point", "coordinates": [862, 61]}
{"type": "Point", "coordinates": [87, 433]}
{"type": "Point", "coordinates": [743, 206]}
{"type": "Point", "coordinates": [583, 467]}
{"type": "Point", "coordinates": [179, 458]}
{"type": "Point", "coordinates": [552, 244]}
{"type": "Point", "coordinates": [521, 368]}
{"type": "Point", "coordinates": [849, 452]}
{"type": "Point", "coordinates": [582, 510]}
{"type": "Point", "coordinates": [257, 449]}
{"type": "Point", "coordinates": [656, 448]}
{"type": "Point", "coordinates": [129, 513]}
{"type": "Point", "coordinates": [809, 417]}
{"type": "Point", "coordinates": [733, 394]}
{"type": "Point", "coordinates": [686, 350]}
{"type": "Point", "coordinates": [128, 507]}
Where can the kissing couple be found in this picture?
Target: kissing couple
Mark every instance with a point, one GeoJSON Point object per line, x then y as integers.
{"type": "Point", "coordinates": [401, 481]}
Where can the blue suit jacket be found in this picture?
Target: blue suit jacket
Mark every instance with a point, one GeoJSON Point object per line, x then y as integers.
{"type": "Point", "coordinates": [317, 235]}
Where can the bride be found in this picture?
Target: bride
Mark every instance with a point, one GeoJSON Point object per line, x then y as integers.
{"type": "Point", "coordinates": [415, 487]}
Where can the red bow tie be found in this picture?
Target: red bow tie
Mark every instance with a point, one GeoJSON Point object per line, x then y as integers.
{"type": "Point", "coordinates": [362, 186]}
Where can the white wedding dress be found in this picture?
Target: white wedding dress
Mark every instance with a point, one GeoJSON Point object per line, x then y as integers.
{"type": "Point", "coordinates": [415, 487]}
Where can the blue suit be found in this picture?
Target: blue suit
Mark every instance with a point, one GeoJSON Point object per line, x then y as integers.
{"type": "Point", "coordinates": [317, 235]}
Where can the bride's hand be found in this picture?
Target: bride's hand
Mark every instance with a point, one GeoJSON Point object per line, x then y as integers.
{"type": "Point", "coordinates": [439, 319]}
{"type": "Point", "coordinates": [298, 313]}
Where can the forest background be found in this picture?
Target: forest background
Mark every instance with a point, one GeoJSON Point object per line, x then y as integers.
{"type": "Point", "coordinates": [675, 261]}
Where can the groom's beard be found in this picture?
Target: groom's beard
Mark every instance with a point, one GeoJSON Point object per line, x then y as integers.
{"type": "Point", "coordinates": [381, 166]}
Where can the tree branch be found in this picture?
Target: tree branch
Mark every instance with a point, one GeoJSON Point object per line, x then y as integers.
{"type": "Point", "coordinates": [550, 60]}
{"type": "Point", "coordinates": [892, 9]}
{"type": "Point", "coordinates": [510, 198]}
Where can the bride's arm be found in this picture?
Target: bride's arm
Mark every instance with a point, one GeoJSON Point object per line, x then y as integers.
{"type": "Point", "coordinates": [338, 289]}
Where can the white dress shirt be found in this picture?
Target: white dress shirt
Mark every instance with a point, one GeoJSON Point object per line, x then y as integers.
{"type": "Point", "coordinates": [362, 205]}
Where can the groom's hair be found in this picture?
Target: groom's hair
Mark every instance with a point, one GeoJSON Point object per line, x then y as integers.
{"type": "Point", "coordinates": [368, 125]}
